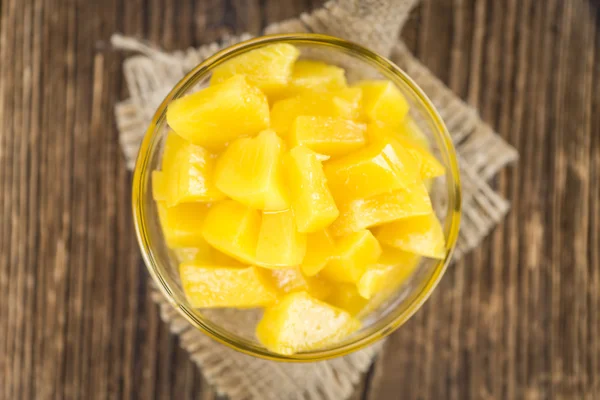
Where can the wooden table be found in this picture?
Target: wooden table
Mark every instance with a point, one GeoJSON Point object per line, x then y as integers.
{"type": "Point", "coordinates": [518, 318]}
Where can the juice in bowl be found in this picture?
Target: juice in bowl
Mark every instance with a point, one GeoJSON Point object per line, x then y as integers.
{"type": "Point", "coordinates": [296, 197]}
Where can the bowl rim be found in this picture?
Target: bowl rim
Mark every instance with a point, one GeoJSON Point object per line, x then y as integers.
{"type": "Point", "coordinates": [141, 170]}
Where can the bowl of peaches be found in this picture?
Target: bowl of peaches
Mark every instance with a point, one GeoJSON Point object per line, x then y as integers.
{"type": "Point", "coordinates": [296, 197]}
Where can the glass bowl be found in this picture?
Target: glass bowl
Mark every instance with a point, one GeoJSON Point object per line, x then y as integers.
{"type": "Point", "coordinates": [235, 328]}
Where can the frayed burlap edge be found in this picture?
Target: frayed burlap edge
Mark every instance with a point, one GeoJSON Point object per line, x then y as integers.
{"type": "Point", "coordinates": [243, 377]}
{"type": "Point", "coordinates": [482, 153]}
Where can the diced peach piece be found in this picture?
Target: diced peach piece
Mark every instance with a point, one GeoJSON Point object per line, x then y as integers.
{"type": "Point", "coordinates": [269, 68]}
{"type": "Point", "coordinates": [378, 168]}
{"type": "Point", "coordinates": [182, 224]}
{"type": "Point", "coordinates": [377, 210]}
{"type": "Point", "coordinates": [420, 235]}
{"type": "Point", "coordinates": [250, 171]}
{"type": "Point", "coordinates": [388, 273]}
{"type": "Point", "coordinates": [299, 322]}
{"type": "Point", "coordinates": [292, 280]}
{"type": "Point", "coordinates": [189, 176]}
{"type": "Point", "coordinates": [353, 253]}
{"type": "Point", "coordinates": [208, 286]}
{"type": "Point", "coordinates": [311, 200]}
{"type": "Point", "coordinates": [383, 101]}
{"type": "Point", "coordinates": [280, 245]}
{"type": "Point", "coordinates": [346, 297]}
{"type": "Point", "coordinates": [218, 114]}
{"type": "Point", "coordinates": [327, 135]}
{"type": "Point", "coordinates": [343, 103]}
{"type": "Point", "coordinates": [233, 228]}
{"type": "Point", "coordinates": [320, 247]}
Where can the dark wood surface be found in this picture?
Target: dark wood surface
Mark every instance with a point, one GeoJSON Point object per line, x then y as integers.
{"type": "Point", "coordinates": [519, 318]}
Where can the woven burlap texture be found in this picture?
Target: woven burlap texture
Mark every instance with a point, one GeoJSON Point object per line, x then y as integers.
{"type": "Point", "coordinates": [482, 153]}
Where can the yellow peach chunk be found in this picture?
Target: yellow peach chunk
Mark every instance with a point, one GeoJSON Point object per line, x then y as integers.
{"type": "Point", "coordinates": [377, 210]}
{"type": "Point", "coordinates": [346, 297]}
{"type": "Point", "coordinates": [378, 168]}
{"type": "Point", "coordinates": [311, 200]}
{"type": "Point", "coordinates": [299, 322]}
{"type": "Point", "coordinates": [189, 176]}
{"type": "Point", "coordinates": [182, 224]}
{"type": "Point", "coordinates": [269, 68]}
{"type": "Point", "coordinates": [383, 101]}
{"type": "Point", "coordinates": [343, 103]}
{"type": "Point", "coordinates": [353, 253]}
{"type": "Point", "coordinates": [250, 171]}
{"type": "Point", "coordinates": [320, 247]}
{"type": "Point", "coordinates": [233, 228]}
{"type": "Point", "coordinates": [292, 280]}
{"type": "Point", "coordinates": [420, 235]}
{"type": "Point", "coordinates": [391, 269]}
{"type": "Point", "coordinates": [208, 286]}
{"type": "Point", "coordinates": [218, 114]}
{"type": "Point", "coordinates": [327, 135]}
{"type": "Point", "coordinates": [280, 245]}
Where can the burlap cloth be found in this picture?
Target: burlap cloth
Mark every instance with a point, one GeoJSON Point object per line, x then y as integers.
{"type": "Point", "coordinates": [151, 73]}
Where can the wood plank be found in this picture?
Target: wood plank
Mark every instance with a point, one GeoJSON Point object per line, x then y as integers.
{"type": "Point", "coordinates": [129, 279]}
{"type": "Point", "coordinates": [594, 232]}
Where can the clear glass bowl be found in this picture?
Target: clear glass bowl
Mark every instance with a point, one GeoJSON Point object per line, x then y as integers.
{"type": "Point", "coordinates": [235, 328]}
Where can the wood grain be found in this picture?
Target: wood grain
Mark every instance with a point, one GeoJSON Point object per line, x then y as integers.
{"type": "Point", "coordinates": [516, 319]}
